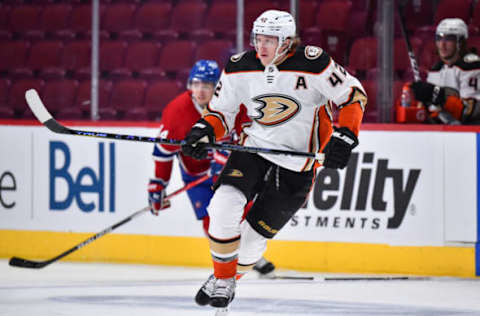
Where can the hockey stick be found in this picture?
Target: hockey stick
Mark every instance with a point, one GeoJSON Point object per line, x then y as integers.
{"type": "Point", "coordinates": [41, 113]}
{"type": "Point", "coordinates": [337, 279]}
{"type": "Point", "coordinates": [25, 263]}
{"type": "Point", "coordinates": [443, 115]}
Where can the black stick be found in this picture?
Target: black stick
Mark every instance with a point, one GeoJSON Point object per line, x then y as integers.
{"type": "Point", "coordinates": [41, 113]}
{"type": "Point", "coordinates": [25, 263]}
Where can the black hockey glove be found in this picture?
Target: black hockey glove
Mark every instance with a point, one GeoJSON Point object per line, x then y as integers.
{"type": "Point", "coordinates": [428, 93]}
{"type": "Point", "coordinates": [339, 148]}
{"type": "Point", "coordinates": [199, 136]}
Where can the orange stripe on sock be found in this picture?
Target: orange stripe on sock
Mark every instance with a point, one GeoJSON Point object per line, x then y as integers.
{"type": "Point", "coordinates": [217, 125]}
{"type": "Point", "coordinates": [225, 270]}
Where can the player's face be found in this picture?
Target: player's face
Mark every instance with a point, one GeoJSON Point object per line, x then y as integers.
{"type": "Point", "coordinates": [447, 47]}
{"type": "Point", "coordinates": [266, 46]}
{"type": "Point", "coordinates": [202, 92]}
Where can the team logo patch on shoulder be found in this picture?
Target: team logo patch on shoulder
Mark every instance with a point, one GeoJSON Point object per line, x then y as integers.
{"type": "Point", "coordinates": [237, 57]}
{"type": "Point", "coordinates": [313, 52]}
{"type": "Point", "coordinates": [470, 58]}
{"type": "Point", "coordinates": [275, 109]}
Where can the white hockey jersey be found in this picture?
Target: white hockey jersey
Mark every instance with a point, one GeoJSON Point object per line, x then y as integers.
{"type": "Point", "coordinates": [284, 101]}
{"type": "Point", "coordinates": [463, 76]}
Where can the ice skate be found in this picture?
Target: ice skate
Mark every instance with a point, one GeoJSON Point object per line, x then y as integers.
{"type": "Point", "coordinates": [223, 292]}
{"type": "Point", "coordinates": [203, 295]}
{"type": "Point", "coordinates": [265, 268]}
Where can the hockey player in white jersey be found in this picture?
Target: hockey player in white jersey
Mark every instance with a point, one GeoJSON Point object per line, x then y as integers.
{"type": "Point", "coordinates": [287, 90]}
{"type": "Point", "coordinates": [453, 82]}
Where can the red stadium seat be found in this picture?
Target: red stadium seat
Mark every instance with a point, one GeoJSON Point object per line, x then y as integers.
{"type": "Point", "coordinates": [419, 13]}
{"type": "Point", "coordinates": [112, 56]}
{"type": "Point", "coordinates": [177, 55]}
{"type": "Point", "coordinates": [334, 15]}
{"type": "Point", "coordinates": [141, 56]}
{"type": "Point", "coordinates": [54, 17]}
{"type": "Point", "coordinates": [81, 20]}
{"type": "Point", "coordinates": [77, 57]}
{"type": "Point", "coordinates": [16, 99]}
{"type": "Point", "coordinates": [13, 54]}
{"type": "Point", "coordinates": [127, 94]}
{"type": "Point", "coordinates": [159, 94]}
{"type": "Point", "coordinates": [401, 61]}
{"type": "Point", "coordinates": [453, 9]}
{"type": "Point", "coordinates": [188, 16]}
{"type": "Point", "coordinates": [363, 54]}
{"type": "Point", "coordinates": [60, 94]}
{"type": "Point", "coordinates": [152, 17]}
{"type": "Point", "coordinates": [24, 18]}
{"type": "Point", "coordinates": [83, 99]}
{"type": "Point", "coordinates": [221, 19]}
{"type": "Point", "coordinates": [476, 16]}
{"type": "Point", "coordinates": [336, 44]}
{"type": "Point", "coordinates": [5, 111]}
{"type": "Point", "coordinates": [218, 50]}
{"type": "Point", "coordinates": [45, 59]}
{"type": "Point", "coordinates": [118, 17]}
{"type": "Point", "coordinates": [474, 42]}
{"type": "Point", "coordinates": [308, 9]}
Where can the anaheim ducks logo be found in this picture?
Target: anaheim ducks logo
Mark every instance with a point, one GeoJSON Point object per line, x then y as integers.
{"type": "Point", "coordinates": [234, 173]}
{"type": "Point", "coordinates": [275, 109]}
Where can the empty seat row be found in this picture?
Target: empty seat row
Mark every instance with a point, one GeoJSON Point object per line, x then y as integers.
{"type": "Point", "coordinates": [70, 99]}
{"type": "Point", "coordinates": [147, 59]}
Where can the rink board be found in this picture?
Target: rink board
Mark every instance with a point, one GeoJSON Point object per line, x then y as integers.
{"type": "Point", "coordinates": [407, 203]}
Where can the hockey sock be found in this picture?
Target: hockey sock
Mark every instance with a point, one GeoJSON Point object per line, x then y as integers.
{"type": "Point", "coordinates": [225, 270]}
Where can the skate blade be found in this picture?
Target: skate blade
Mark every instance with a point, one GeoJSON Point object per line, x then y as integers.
{"type": "Point", "coordinates": [223, 311]}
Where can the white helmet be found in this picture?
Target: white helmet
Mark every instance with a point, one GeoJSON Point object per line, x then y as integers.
{"type": "Point", "coordinates": [452, 26]}
{"type": "Point", "coordinates": [274, 23]}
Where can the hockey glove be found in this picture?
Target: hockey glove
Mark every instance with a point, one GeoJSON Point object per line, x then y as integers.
{"type": "Point", "coordinates": [428, 93]}
{"type": "Point", "coordinates": [339, 148]}
{"type": "Point", "coordinates": [199, 136]}
{"type": "Point", "coordinates": [156, 195]}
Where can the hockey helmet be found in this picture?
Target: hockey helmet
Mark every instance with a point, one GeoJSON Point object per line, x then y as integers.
{"type": "Point", "coordinates": [452, 26]}
{"type": "Point", "coordinates": [274, 23]}
{"type": "Point", "coordinates": [205, 71]}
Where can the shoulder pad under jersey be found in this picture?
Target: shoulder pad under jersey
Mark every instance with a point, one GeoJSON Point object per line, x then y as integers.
{"type": "Point", "coordinates": [469, 62]}
{"type": "Point", "coordinates": [245, 61]}
{"type": "Point", "coordinates": [310, 59]}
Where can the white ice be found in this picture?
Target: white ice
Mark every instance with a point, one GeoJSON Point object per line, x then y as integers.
{"type": "Point", "coordinates": [78, 289]}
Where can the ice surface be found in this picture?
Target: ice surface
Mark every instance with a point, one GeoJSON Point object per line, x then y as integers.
{"type": "Point", "coordinates": [67, 289]}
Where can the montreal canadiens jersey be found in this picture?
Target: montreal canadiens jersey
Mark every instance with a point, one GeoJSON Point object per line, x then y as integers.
{"type": "Point", "coordinates": [284, 101]}
{"type": "Point", "coordinates": [463, 76]}
{"type": "Point", "coordinates": [178, 117]}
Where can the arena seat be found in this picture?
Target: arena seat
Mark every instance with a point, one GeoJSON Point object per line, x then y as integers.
{"type": "Point", "coordinates": [13, 54]}
{"type": "Point", "coordinates": [43, 60]}
{"type": "Point", "coordinates": [76, 58]}
{"type": "Point", "coordinates": [118, 18]}
{"type": "Point", "coordinates": [401, 60]}
{"type": "Point", "coordinates": [159, 94]}
{"type": "Point", "coordinates": [152, 17]}
{"type": "Point", "coordinates": [218, 50]}
{"type": "Point", "coordinates": [83, 99]}
{"type": "Point", "coordinates": [59, 95]}
{"type": "Point", "coordinates": [112, 56]}
{"type": "Point", "coordinates": [177, 55]}
{"type": "Point", "coordinates": [188, 16]}
{"type": "Point", "coordinates": [363, 55]}
{"type": "Point", "coordinates": [221, 19]}
{"type": "Point", "coordinates": [453, 9]}
{"type": "Point", "coordinates": [54, 17]}
{"type": "Point", "coordinates": [140, 60]}
{"type": "Point", "coordinates": [127, 94]}
{"type": "Point", "coordinates": [16, 98]}
{"type": "Point", "coordinates": [24, 18]}
{"type": "Point", "coordinates": [6, 112]}
{"type": "Point", "coordinates": [333, 15]}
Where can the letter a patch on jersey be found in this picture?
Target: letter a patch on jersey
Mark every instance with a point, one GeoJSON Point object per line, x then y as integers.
{"type": "Point", "coordinates": [275, 109]}
{"type": "Point", "coordinates": [301, 83]}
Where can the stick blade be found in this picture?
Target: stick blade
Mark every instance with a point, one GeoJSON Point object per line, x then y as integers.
{"type": "Point", "coordinates": [24, 263]}
{"type": "Point", "coordinates": [36, 105]}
